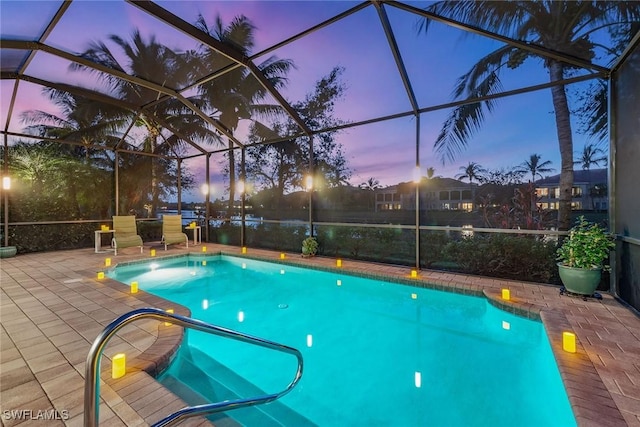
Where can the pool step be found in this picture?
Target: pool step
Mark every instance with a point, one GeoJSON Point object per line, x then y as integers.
{"type": "Point", "coordinates": [214, 382]}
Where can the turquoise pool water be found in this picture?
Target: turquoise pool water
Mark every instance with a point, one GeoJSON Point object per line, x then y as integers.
{"type": "Point", "coordinates": [375, 353]}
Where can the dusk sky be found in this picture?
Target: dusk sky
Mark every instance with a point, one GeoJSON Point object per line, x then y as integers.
{"type": "Point", "coordinates": [520, 126]}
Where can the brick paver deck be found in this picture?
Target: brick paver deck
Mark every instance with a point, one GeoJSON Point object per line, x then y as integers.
{"type": "Point", "coordinates": [53, 307]}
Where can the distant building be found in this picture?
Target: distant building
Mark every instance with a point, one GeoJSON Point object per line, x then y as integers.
{"type": "Point", "coordinates": [435, 194]}
{"type": "Point", "coordinates": [589, 192]}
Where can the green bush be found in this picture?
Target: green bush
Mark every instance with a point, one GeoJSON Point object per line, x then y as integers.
{"type": "Point", "coordinates": [527, 258]}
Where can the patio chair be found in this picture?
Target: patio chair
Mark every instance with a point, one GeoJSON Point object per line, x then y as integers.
{"type": "Point", "coordinates": [125, 233]}
{"type": "Point", "coordinates": [172, 231]}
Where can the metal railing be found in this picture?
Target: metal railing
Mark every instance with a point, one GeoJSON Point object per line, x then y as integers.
{"type": "Point", "coordinates": [92, 370]}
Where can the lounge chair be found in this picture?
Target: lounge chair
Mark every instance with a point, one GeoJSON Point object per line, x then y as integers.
{"type": "Point", "coordinates": [172, 231]}
{"type": "Point", "coordinates": [125, 233]}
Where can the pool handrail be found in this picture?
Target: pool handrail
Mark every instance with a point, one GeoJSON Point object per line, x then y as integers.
{"type": "Point", "coordinates": [92, 369]}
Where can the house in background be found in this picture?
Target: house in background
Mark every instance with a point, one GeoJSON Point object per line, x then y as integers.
{"type": "Point", "coordinates": [435, 194]}
{"type": "Point", "coordinates": [589, 190]}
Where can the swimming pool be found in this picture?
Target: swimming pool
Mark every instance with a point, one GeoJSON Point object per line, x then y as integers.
{"type": "Point", "coordinates": [376, 353]}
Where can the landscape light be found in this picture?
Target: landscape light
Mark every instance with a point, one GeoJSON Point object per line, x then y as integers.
{"type": "Point", "coordinates": [100, 274]}
{"type": "Point", "coordinates": [569, 342]}
{"type": "Point", "coordinates": [134, 287]}
{"type": "Point", "coordinates": [107, 262]}
{"type": "Point", "coordinates": [118, 366]}
{"type": "Point", "coordinates": [170, 311]}
{"type": "Point", "coordinates": [506, 294]}
{"type": "Point", "coordinates": [338, 263]}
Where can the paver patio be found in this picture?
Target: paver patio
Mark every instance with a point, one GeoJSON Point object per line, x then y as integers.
{"type": "Point", "coordinates": [53, 307]}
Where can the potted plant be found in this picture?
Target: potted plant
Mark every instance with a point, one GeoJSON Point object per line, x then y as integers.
{"type": "Point", "coordinates": [583, 256]}
{"type": "Point", "coordinates": [309, 247]}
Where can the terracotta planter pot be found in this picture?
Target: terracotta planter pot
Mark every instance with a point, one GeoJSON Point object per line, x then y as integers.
{"type": "Point", "coordinates": [580, 280]}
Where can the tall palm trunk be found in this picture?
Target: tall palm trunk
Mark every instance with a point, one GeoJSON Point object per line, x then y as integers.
{"type": "Point", "coordinates": [565, 142]}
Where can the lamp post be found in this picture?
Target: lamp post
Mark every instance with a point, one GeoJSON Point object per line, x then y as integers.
{"type": "Point", "coordinates": [240, 188]}
{"type": "Point", "coordinates": [309, 188]}
{"type": "Point", "coordinates": [416, 179]}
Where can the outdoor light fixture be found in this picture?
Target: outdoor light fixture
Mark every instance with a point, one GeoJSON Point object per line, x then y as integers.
{"type": "Point", "coordinates": [339, 282]}
{"type": "Point", "coordinates": [569, 342]}
{"type": "Point", "coordinates": [153, 252]}
{"type": "Point", "coordinates": [506, 294]}
{"type": "Point", "coordinates": [107, 262]}
{"type": "Point", "coordinates": [240, 187]}
{"type": "Point", "coordinates": [414, 296]}
{"type": "Point", "coordinates": [118, 366]}
{"type": "Point", "coordinates": [282, 255]}
{"type": "Point", "coordinates": [204, 249]}
{"type": "Point", "coordinates": [204, 188]}
{"type": "Point", "coordinates": [244, 249]}
{"type": "Point", "coordinates": [104, 227]}
{"type": "Point", "coordinates": [417, 174]}
{"type": "Point", "coordinates": [338, 263]}
{"type": "Point", "coordinates": [170, 311]}
{"type": "Point", "coordinates": [6, 183]}
{"type": "Point", "coordinates": [100, 274]}
{"type": "Point", "coordinates": [134, 287]}
{"type": "Point", "coordinates": [506, 325]}
{"type": "Point", "coordinates": [414, 274]}
{"type": "Point", "coordinates": [309, 182]}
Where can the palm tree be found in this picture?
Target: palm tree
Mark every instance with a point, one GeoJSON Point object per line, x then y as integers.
{"type": "Point", "coordinates": [534, 167]}
{"type": "Point", "coordinates": [152, 61]}
{"type": "Point", "coordinates": [591, 155]}
{"type": "Point", "coordinates": [563, 26]}
{"type": "Point", "coordinates": [234, 95]}
{"type": "Point", "coordinates": [472, 171]}
{"type": "Point", "coordinates": [371, 185]}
